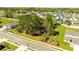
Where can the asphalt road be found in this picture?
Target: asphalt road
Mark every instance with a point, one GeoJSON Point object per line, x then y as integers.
{"type": "Point", "coordinates": [30, 44]}
{"type": "Point", "coordinates": [74, 36]}
{"type": "Point", "coordinates": [72, 33]}
{"type": "Point", "coordinates": [74, 40]}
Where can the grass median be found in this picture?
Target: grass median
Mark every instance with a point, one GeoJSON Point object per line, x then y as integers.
{"type": "Point", "coordinates": [8, 46]}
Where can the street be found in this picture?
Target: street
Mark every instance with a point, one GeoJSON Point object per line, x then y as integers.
{"type": "Point", "coordinates": [27, 43]}
{"type": "Point", "coordinates": [74, 36]}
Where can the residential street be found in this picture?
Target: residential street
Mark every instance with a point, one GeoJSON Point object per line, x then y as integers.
{"type": "Point", "coordinates": [74, 36]}
{"type": "Point", "coordinates": [27, 43]}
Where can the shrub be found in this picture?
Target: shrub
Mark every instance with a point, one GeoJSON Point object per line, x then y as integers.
{"type": "Point", "coordinates": [1, 26]}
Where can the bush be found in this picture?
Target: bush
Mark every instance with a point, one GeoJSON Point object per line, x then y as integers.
{"type": "Point", "coordinates": [36, 34]}
{"type": "Point", "coordinates": [1, 26]}
{"type": "Point", "coordinates": [1, 47]}
{"type": "Point", "coordinates": [45, 37]}
{"type": "Point", "coordinates": [0, 21]}
{"type": "Point", "coordinates": [19, 30]}
{"type": "Point", "coordinates": [55, 33]}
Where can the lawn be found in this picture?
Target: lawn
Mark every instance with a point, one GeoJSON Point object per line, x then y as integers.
{"type": "Point", "coordinates": [59, 38]}
{"type": "Point", "coordinates": [8, 46]}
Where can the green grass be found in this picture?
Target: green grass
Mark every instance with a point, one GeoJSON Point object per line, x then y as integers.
{"type": "Point", "coordinates": [6, 21]}
{"type": "Point", "coordinates": [59, 38]}
{"type": "Point", "coordinates": [38, 38]}
{"type": "Point", "coordinates": [66, 46]}
{"type": "Point", "coordinates": [75, 24]}
{"type": "Point", "coordinates": [11, 46]}
{"type": "Point", "coordinates": [61, 30]}
{"type": "Point", "coordinates": [72, 29]}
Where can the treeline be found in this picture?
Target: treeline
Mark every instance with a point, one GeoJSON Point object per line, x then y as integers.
{"type": "Point", "coordinates": [66, 10]}
{"type": "Point", "coordinates": [11, 12]}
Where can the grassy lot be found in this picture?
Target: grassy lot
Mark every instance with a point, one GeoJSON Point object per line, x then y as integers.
{"type": "Point", "coordinates": [59, 38]}
{"type": "Point", "coordinates": [38, 38]}
{"type": "Point", "coordinates": [5, 21]}
{"type": "Point", "coordinates": [75, 24]}
{"type": "Point", "coordinates": [61, 30]}
{"type": "Point", "coordinates": [10, 46]}
{"type": "Point", "coordinates": [72, 29]}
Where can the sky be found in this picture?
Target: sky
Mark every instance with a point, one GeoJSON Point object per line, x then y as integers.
{"type": "Point", "coordinates": [40, 3]}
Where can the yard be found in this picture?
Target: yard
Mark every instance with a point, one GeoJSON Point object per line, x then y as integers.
{"type": "Point", "coordinates": [73, 29]}
{"type": "Point", "coordinates": [5, 20]}
{"type": "Point", "coordinates": [8, 46]}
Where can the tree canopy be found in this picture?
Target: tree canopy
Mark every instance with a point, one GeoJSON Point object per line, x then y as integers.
{"type": "Point", "coordinates": [33, 24]}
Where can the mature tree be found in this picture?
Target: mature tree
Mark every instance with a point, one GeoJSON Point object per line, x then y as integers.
{"type": "Point", "coordinates": [50, 24]}
{"type": "Point", "coordinates": [8, 13]}
{"type": "Point", "coordinates": [31, 24]}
